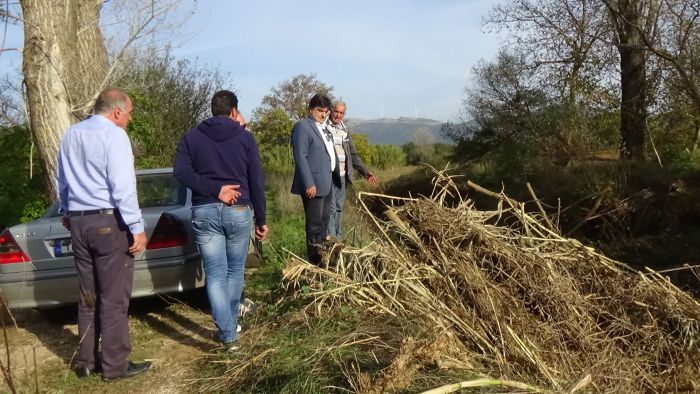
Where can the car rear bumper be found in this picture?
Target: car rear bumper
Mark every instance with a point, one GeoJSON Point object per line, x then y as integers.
{"type": "Point", "coordinates": [54, 288]}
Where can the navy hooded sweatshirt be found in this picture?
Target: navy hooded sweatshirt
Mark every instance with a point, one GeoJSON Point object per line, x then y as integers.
{"type": "Point", "coordinates": [220, 152]}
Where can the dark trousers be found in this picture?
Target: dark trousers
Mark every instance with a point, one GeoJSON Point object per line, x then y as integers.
{"type": "Point", "coordinates": [106, 273]}
{"type": "Point", "coordinates": [317, 211]}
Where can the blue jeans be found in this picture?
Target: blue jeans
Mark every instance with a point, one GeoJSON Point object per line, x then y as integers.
{"type": "Point", "coordinates": [223, 234]}
{"type": "Point", "coordinates": [335, 223]}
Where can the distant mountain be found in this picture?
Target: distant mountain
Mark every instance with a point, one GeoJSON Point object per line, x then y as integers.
{"type": "Point", "coordinates": [394, 131]}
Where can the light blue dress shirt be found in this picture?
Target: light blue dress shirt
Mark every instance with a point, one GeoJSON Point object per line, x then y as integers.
{"type": "Point", "coordinates": [96, 170]}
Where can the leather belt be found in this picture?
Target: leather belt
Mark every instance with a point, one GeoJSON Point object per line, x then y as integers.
{"type": "Point", "coordinates": [103, 211]}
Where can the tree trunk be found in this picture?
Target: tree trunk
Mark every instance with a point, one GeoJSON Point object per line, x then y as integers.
{"type": "Point", "coordinates": [64, 60]}
{"type": "Point", "coordinates": [633, 106]}
{"type": "Point", "coordinates": [633, 110]}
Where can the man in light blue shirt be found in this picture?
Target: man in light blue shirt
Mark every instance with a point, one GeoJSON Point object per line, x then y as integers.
{"type": "Point", "coordinates": [97, 193]}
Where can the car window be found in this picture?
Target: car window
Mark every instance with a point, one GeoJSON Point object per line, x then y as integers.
{"type": "Point", "coordinates": [154, 190]}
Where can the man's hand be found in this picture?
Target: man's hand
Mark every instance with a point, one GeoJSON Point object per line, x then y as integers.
{"type": "Point", "coordinates": [371, 179]}
{"type": "Point", "coordinates": [65, 220]}
{"type": "Point", "coordinates": [311, 192]}
{"type": "Point", "coordinates": [139, 244]}
{"type": "Point", "coordinates": [261, 232]}
{"type": "Point", "coordinates": [229, 194]}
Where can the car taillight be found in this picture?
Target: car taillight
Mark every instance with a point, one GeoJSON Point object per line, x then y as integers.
{"type": "Point", "coordinates": [169, 232]}
{"type": "Point", "coordinates": [10, 252]}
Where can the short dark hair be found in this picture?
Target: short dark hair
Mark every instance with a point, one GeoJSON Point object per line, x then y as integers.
{"type": "Point", "coordinates": [109, 99]}
{"type": "Point", "coordinates": [223, 102]}
{"type": "Point", "coordinates": [320, 100]}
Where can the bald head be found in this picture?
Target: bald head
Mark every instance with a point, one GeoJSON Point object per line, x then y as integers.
{"type": "Point", "coordinates": [115, 105]}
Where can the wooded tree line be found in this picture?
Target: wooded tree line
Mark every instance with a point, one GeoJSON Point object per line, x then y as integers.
{"type": "Point", "coordinates": [576, 76]}
{"type": "Point", "coordinates": [67, 61]}
{"type": "Point", "coordinates": [287, 103]}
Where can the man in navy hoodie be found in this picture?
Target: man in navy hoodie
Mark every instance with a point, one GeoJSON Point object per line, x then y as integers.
{"type": "Point", "coordinates": [220, 162]}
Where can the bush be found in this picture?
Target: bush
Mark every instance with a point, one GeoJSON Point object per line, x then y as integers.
{"type": "Point", "coordinates": [21, 197]}
{"type": "Point", "coordinates": [272, 129]}
{"type": "Point", "coordinates": [436, 155]}
{"type": "Point", "coordinates": [363, 147]}
{"type": "Point", "coordinates": [411, 152]}
{"type": "Point", "coordinates": [277, 157]}
{"type": "Point", "coordinates": [169, 98]}
{"type": "Point", "coordinates": [387, 156]}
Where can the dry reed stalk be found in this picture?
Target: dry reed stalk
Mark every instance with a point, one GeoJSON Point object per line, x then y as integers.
{"type": "Point", "coordinates": [526, 302]}
{"type": "Point", "coordinates": [237, 368]}
{"type": "Point", "coordinates": [484, 382]}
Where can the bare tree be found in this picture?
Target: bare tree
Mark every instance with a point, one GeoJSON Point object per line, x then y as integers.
{"type": "Point", "coordinates": [569, 42]}
{"type": "Point", "coordinates": [11, 106]}
{"type": "Point", "coordinates": [499, 108]}
{"type": "Point", "coordinates": [423, 139]}
{"type": "Point", "coordinates": [66, 61]}
{"type": "Point", "coordinates": [677, 43]}
{"type": "Point", "coordinates": [561, 40]}
{"type": "Point", "coordinates": [633, 20]}
{"type": "Point", "coordinates": [63, 50]}
{"type": "Point", "coordinates": [292, 96]}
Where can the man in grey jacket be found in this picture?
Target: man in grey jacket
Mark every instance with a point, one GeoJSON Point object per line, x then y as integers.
{"type": "Point", "coordinates": [348, 162]}
{"type": "Point", "coordinates": [314, 161]}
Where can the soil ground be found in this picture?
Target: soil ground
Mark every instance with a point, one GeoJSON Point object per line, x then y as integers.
{"type": "Point", "coordinates": [176, 334]}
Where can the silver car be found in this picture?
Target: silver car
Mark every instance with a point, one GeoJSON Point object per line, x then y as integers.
{"type": "Point", "coordinates": [36, 258]}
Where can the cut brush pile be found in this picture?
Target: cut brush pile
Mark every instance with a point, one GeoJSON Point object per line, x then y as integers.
{"type": "Point", "coordinates": [513, 298]}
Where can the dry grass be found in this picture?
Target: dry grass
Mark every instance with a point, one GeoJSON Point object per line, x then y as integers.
{"type": "Point", "coordinates": [506, 295]}
{"type": "Point", "coordinates": [279, 184]}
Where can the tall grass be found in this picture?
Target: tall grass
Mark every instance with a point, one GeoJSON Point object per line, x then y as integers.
{"type": "Point", "coordinates": [277, 158]}
{"type": "Point", "coordinates": [387, 156]}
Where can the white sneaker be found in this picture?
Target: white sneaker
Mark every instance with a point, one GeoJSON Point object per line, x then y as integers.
{"type": "Point", "coordinates": [238, 328]}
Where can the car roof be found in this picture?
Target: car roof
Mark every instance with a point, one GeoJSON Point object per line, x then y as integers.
{"type": "Point", "coordinates": [150, 171]}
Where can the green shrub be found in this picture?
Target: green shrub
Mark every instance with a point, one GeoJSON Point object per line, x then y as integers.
{"type": "Point", "coordinates": [277, 157]}
{"type": "Point", "coordinates": [21, 197]}
{"type": "Point", "coordinates": [387, 156]}
{"type": "Point", "coordinates": [364, 148]}
{"type": "Point", "coordinates": [34, 208]}
{"type": "Point", "coordinates": [437, 155]}
{"type": "Point", "coordinates": [410, 150]}
{"type": "Point", "coordinates": [272, 129]}
{"type": "Point", "coordinates": [169, 96]}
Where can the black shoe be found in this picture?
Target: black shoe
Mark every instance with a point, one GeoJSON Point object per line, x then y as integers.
{"type": "Point", "coordinates": [83, 372]}
{"type": "Point", "coordinates": [132, 369]}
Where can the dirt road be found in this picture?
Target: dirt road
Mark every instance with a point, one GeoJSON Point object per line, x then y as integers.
{"type": "Point", "coordinates": [175, 334]}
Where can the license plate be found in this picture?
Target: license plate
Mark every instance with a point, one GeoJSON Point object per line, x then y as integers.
{"type": "Point", "coordinates": [62, 247]}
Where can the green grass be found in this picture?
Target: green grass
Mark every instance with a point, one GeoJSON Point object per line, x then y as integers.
{"type": "Point", "coordinates": [292, 367]}
{"type": "Point", "coordinates": [306, 356]}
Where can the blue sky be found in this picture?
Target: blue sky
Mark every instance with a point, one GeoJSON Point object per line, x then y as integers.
{"type": "Point", "coordinates": [383, 57]}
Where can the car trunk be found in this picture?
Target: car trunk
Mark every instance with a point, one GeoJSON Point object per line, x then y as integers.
{"type": "Point", "coordinates": [38, 240]}
{"type": "Point", "coordinates": [168, 236]}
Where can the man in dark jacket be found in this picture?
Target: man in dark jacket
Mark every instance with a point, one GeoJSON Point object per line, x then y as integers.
{"type": "Point", "coordinates": [314, 161]}
{"type": "Point", "coordinates": [220, 162]}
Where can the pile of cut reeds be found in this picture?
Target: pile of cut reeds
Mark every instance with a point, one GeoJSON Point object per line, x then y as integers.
{"type": "Point", "coordinates": [522, 302]}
